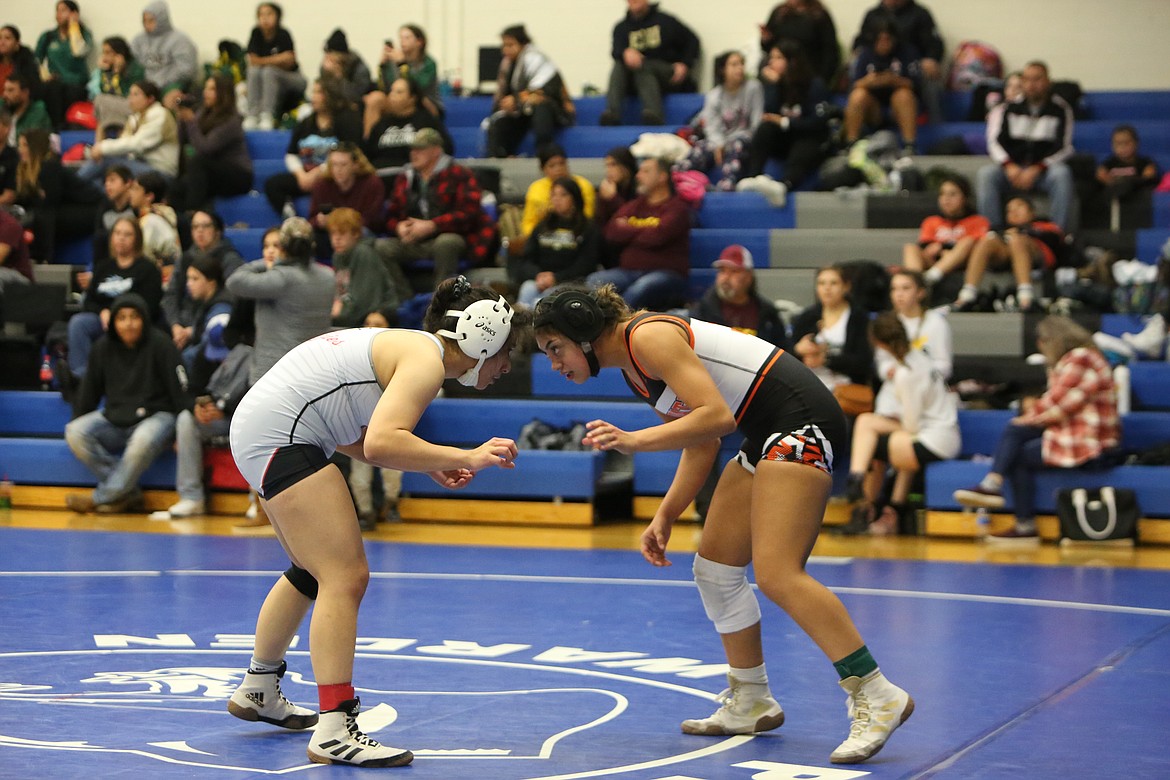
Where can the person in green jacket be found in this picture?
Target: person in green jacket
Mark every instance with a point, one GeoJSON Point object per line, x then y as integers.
{"type": "Point", "coordinates": [110, 82]}
{"type": "Point", "coordinates": [26, 112]}
{"type": "Point", "coordinates": [363, 280]}
{"type": "Point", "coordinates": [62, 52]}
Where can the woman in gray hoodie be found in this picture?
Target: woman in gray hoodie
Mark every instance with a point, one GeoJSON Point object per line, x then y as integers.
{"type": "Point", "coordinates": [168, 55]}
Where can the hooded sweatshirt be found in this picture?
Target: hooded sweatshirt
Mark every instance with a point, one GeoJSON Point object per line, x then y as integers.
{"type": "Point", "coordinates": [136, 381]}
{"type": "Point", "coordinates": [169, 56]}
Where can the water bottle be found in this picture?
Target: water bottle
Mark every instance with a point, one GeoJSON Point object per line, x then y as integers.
{"type": "Point", "coordinates": [982, 523]}
{"type": "Point", "coordinates": [457, 83]}
{"type": "Point", "coordinates": [46, 374]}
{"type": "Point", "coordinates": [1121, 388]}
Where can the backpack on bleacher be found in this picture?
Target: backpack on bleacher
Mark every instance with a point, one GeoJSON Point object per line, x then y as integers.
{"type": "Point", "coordinates": [869, 283]}
{"type": "Point", "coordinates": [974, 62]}
{"type": "Point", "coordinates": [232, 60]}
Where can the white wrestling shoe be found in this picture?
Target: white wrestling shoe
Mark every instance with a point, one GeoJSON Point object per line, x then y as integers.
{"type": "Point", "coordinates": [259, 699]}
{"type": "Point", "coordinates": [338, 740]}
{"type": "Point", "coordinates": [747, 708]}
{"type": "Point", "coordinates": [877, 707]}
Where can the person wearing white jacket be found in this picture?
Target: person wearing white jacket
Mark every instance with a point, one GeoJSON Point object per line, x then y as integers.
{"type": "Point", "coordinates": [149, 142]}
{"type": "Point", "coordinates": [922, 429]}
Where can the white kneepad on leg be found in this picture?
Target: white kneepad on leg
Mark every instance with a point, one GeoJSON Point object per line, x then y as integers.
{"type": "Point", "coordinates": [727, 596]}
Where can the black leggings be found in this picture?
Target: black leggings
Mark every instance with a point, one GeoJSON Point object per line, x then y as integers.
{"type": "Point", "coordinates": [801, 152]}
{"type": "Point", "coordinates": [206, 178]}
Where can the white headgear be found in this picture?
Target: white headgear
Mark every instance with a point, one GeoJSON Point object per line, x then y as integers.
{"type": "Point", "coordinates": [481, 330]}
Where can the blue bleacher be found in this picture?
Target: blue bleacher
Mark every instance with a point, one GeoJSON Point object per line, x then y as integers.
{"type": "Point", "coordinates": [249, 242]}
{"type": "Point", "coordinates": [251, 210]}
{"type": "Point", "coordinates": [267, 144]}
{"type": "Point", "coordinates": [744, 210]}
{"type": "Point", "coordinates": [1150, 242]}
{"type": "Point", "coordinates": [1148, 381]}
{"type": "Point", "coordinates": [1128, 106]}
{"type": "Point", "coordinates": [76, 252]}
{"type": "Point", "coordinates": [1162, 207]}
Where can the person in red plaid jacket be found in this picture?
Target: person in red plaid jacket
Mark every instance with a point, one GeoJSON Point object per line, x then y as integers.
{"type": "Point", "coordinates": [1073, 425]}
{"type": "Point", "coordinates": [435, 212]}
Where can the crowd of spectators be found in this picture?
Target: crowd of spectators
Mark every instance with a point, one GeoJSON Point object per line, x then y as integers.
{"type": "Point", "coordinates": [370, 150]}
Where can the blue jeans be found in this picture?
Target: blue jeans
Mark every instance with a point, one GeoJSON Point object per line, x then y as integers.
{"type": "Point", "coordinates": [94, 171]}
{"type": "Point", "coordinates": [1019, 457]}
{"type": "Point", "coordinates": [97, 443]}
{"type": "Point", "coordinates": [190, 435]}
{"type": "Point", "coordinates": [1056, 181]}
{"type": "Point", "coordinates": [85, 327]}
{"type": "Point", "coordinates": [655, 290]}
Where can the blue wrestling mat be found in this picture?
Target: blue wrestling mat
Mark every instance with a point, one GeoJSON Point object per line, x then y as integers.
{"type": "Point", "coordinates": [118, 653]}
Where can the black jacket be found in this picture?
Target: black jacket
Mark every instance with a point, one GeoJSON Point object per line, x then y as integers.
{"type": "Point", "coordinates": [855, 359]}
{"type": "Point", "coordinates": [136, 381]}
{"type": "Point", "coordinates": [771, 326]}
{"type": "Point", "coordinates": [1019, 134]}
{"type": "Point", "coordinates": [658, 35]}
{"type": "Point", "coordinates": [915, 26]}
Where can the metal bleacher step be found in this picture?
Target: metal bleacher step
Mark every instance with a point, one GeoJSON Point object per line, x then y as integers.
{"type": "Point", "coordinates": [819, 247]}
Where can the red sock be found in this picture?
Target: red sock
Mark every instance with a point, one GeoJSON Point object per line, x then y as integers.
{"type": "Point", "coordinates": [331, 696]}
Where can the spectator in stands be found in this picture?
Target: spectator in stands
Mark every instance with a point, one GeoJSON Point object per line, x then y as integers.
{"type": "Point", "coordinates": [274, 78]}
{"type": "Point", "coordinates": [137, 371]}
{"type": "Point", "coordinates": [434, 212]}
{"type": "Point", "coordinates": [346, 69]}
{"type": "Point", "coordinates": [348, 180]}
{"type": "Point", "coordinates": [217, 163]}
{"type": "Point", "coordinates": [918, 426]}
{"type": "Point", "coordinates": [387, 141]}
{"type": "Point", "coordinates": [656, 52]}
{"type": "Point", "coordinates": [116, 204]}
{"type": "Point", "coordinates": [332, 122]}
{"type": "Point", "coordinates": [362, 280]}
{"type": "Point", "coordinates": [1029, 142]}
{"type": "Point", "coordinates": [530, 95]}
{"type": "Point", "coordinates": [554, 164]}
{"type": "Point", "coordinates": [17, 58]}
{"type": "Point", "coordinates": [409, 60]}
{"type": "Point", "coordinates": [732, 111]}
{"type": "Point", "coordinates": [15, 266]}
{"type": "Point", "coordinates": [310, 504]}
{"type": "Point", "coordinates": [27, 114]}
{"type": "Point", "coordinates": [9, 160]}
{"type": "Point", "coordinates": [946, 239]}
{"type": "Point", "coordinates": [809, 25]}
{"type": "Point", "coordinates": [208, 418]}
{"type": "Point", "coordinates": [148, 142]}
{"type": "Point", "coordinates": [168, 55]}
{"type": "Point", "coordinates": [619, 186]}
{"type": "Point", "coordinates": [1125, 173]}
{"type": "Point", "coordinates": [831, 336]}
{"type": "Point", "coordinates": [564, 247]}
{"type": "Point", "coordinates": [652, 235]}
{"type": "Point", "coordinates": [1074, 424]}
{"type": "Point", "coordinates": [180, 308]}
{"type": "Point", "coordinates": [927, 330]}
{"type": "Point", "coordinates": [915, 27]}
{"type": "Point", "coordinates": [62, 52]}
{"type": "Point", "coordinates": [884, 76]}
{"type": "Point", "coordinates": [109, 85]}
{"type": "Point", "coordinates": [795, 124]}
{"type": "Point", "coordinates": [768, 506]}
{"type": "Point", "coordinates": [1027, 243]}
{"type": "Point", "coordinates": [57, 205]}
{"type": "Point", "coordinates": [126, 271]}
{"type": "Point", "coordinates": [293, 296]}
{"type": "Point", "coordinates": [734, 300]}
{"type": "Point", "coordinates": [160, 225]}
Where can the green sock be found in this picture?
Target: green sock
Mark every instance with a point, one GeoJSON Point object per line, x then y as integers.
{"type": "Point", "coordinates": [859, 663]}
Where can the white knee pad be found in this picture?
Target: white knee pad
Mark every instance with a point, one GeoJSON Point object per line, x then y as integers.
{"type": "Point", "coordinates": [727, 596]}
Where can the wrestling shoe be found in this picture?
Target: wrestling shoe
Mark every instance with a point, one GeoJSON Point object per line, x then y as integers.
{"type": "Point", "coordinates": [338, 740]}
{"type": "Point", "coordinates": [979, 497]}
{"type": "Point", "coordinates": [259, 698]}
{"type": "Point", "coordinates": [877, 707]}
{"type": "Point", "coordinates": [747, 708]}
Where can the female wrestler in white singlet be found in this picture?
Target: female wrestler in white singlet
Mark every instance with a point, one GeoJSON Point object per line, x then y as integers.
{"type": "Point", "coordinates": [360, 392]}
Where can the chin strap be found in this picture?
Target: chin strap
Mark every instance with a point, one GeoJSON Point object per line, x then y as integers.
{"type": "Point", "coordinates": [470, 377]}
{"type": "Point", "coordinates": [591, 357]}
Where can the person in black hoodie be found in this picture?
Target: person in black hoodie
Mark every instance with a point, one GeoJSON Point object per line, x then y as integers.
{"type": "Point", "coordinates": [656, 52]}
{"type": "Point", "coordinates": [139, 373]}
{"type": "Point", "coordinates": [565, 246]}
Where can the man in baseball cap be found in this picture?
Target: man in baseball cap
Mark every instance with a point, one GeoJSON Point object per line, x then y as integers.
{"type": "Point", "coordinates": [736, 257]}
{"type": "Point", "coordinates": [425, 138]}
{"type": "Point", "coordinates": [734, 301]}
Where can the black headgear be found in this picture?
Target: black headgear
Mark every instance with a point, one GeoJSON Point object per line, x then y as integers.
{"type": "Point", "coordinates": [575, 314]}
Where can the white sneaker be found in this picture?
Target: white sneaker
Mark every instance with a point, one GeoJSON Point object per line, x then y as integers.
{"type": "Point", "coordinates": [747, 708]}
{"type": "Point", "coordinates": [266, 122]}
{"type": "Point", "coordinates": [877, 707]}
{"type": "Point", "coordinates": [338, 740]}
{"type": "Point", "coordinates": [251, 123]}
{"type": "Point", "coordinates": [1118, 346]}
{"type": "Point", "coordinates": [259, 699]}
{"type": "Point", "coordinates": [187, 508]}
{"type": "Point", "coordinates": [1150, 339]}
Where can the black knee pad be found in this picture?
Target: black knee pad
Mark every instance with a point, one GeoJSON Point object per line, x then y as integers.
{"type": "Point", "coordinates": [303, 581]}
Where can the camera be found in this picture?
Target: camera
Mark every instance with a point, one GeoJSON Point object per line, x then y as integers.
{"type": "Point", "coordinates": [188, 101]}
